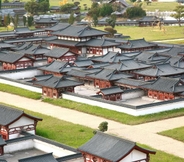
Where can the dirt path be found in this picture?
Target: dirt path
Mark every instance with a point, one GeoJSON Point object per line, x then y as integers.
{"type": "Point", "coordinates": [143, 133]}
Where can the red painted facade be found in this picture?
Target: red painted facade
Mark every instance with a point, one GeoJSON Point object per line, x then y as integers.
{"type": "Point", "coordinates": [160, 95]}
{"type": "Point", "coordinates": [17, 65]}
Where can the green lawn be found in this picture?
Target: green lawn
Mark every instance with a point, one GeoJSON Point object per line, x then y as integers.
{"type": "Point", "coordinates": [114, 115]}
{"type": "Point", "coordinates": [150, 33]}
{"type": "Point", "coordinates": [19, 91]}
{"type": "Point", "coordinates": [160, 6]}
{"type": "Point", "coordinates": [177, 133]}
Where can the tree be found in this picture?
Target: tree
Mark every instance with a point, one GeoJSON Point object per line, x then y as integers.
{"type": "Point", "coordinates": [106, 10]}
{"type": "Point", "coordinates": [112, 21]}
{"type": "Point", "coordinates": [44, 6]}
{"type": "Point", "coordinates": [103, 126]}
{"type": "Point", "coordinates": [32, 7]}
{"type": "Point", "coordinates": [71, 18]}
{"type": "Point", "coordinates": [24, 20]}
{"type": "Point", "coordinates": [134, 12]}
{"type": "Point", "coordinates": [179, 14]}
{"type": "Point", "coordinates": [95, 20]}
{"type": "Point", "coordinates": [0, 3]}
{"type": "Point", "coordinates": [111, 31]}
{"type": "Point", "coordinates": [67, 7]}
{"type": "Point", "coordinates": [16, 21]}
{"type": "Point", "coordinates": [30, 21]}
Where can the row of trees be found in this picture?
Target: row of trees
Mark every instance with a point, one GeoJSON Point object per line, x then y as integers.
{"type": "Point", "coordinates": [34, 7]}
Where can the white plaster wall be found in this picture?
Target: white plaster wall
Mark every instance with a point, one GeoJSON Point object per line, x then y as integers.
{"type": "Point", "coordinates": [12, 136]}
{"type": "Point", "coordinates": [24, 59]}
{"type": "Point", "coordinates": [24, 86]}
{"type": "Point", "coordinates": [134, 94]}
{"type": "Point", "coordinates": [22, 74]}
{"type": "Point", "coordinates": [134, 156]}
{"type": "Point", "coordinates": [135, 112]}
{"type": "Point", "coordinates": [105, 51]}
{"type": "Point", "coordinates": [39, 63]}
{"type": "Point", "coordinates": [17, 146]}
{"type": "Point", "coordinates": [57, 151]}
{"type": "Point", "coordinates": [22, 121]}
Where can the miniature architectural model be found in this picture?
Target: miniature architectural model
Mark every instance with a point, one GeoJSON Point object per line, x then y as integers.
{"type": "Point", "coordinates": [104, 147]}
{"type": "Point", "coordinates": [13, 121]}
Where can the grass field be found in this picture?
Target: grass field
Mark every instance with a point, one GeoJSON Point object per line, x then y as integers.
{"type": "Point", "coordinates": [177, 133]}
{"type": "Point", "coordinates": [150, 33]}
{"type": "Point", "coordinates": [19, 91]}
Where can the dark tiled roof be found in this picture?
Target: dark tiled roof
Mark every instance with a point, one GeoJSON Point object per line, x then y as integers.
{"type": "Point", "coordinates": [151, 58]}
{"type": "Point", "coordinates": [10, 57]}
{"type": "Point", "coordinates": [59, 26]}
{"type": "Point", "coordinates": [99, 43]}
{"type": "Point", "coordinates": [6, 45]}
{"type": "Point", "coordinates": [21, 30]}
{"type": "Point", "coordinates": [127, 65]}
{"type": "Point", "coordinates": [79, 31]}
{"type": "Point", "coordinates": [83, 63]}
{"type": "Point", "coordinates": [57, 52]}
{"type": "Point", "coordinates": [2, 160]}
{"type": "Point", "coordinates": [56, 66]}
{"type": "Point", "coordinates": [150, 19]}
{"type": "Point", "coordinates": [161, 70]}
{"type": "Point", "coordinates": [107, 147]}
{"type": "Point", "coordinates": [166, 84]}
{"type": "Point", "coordinates": [31, 39]}
{"type": "Point", "coordinates": [105, 74]}
{"type": "Point", "coordinates": [71, 158]}
{"type": "Point", "coordinates": [8, 115]}
{"type": "Point", "coordinates": [40, 158]}
{"type": "Point", "coordinates": [137, 43]}
{"type": "Point", "coordinates": [82, 72]}
{"type": "Point", "coordinates": [64, 42]}
{"type": "Point", "coordinates": [130, 82]}
{"type": "Point", "coordinates": [57, 82]}
{"type": "Point", "coordinates": [111, 90]}
{"type": "Point", "coordinates": [110, 57]}
{"type": "Point", "coordinates": [174, 51]}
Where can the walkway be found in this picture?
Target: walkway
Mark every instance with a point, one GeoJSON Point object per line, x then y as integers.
{"type": "Point", "coordinates": [143, 133]}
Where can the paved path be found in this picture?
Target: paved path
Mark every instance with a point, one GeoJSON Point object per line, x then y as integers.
{"type": "Point", "coordinates": [143, 133]}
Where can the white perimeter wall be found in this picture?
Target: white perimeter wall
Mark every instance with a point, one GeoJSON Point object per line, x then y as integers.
{"type": "Point", "coordinates": [124, 109]}
{"type": "Point", "coordinates": [18, 146]}
{"type": "Point", "coordinates": [46, 147]}
{"type": "Point", "coordinates": [37, 144]}
{"type": "Point", "coordinates": [133, 94]}
{"type": "Point", "coordinates": [21, 85]}
{"type": "Point", "coordinates": [22, 74]}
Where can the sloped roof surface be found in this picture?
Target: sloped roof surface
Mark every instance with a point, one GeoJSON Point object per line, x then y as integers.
{"type": "Point", "coordinates": [57, 52]}
{"type": "Point", "coordinates": [174, 51]}
{"type": "Point", "coordinates": [108, 147]}
{"type": "Point", "coordinates": [56, 66]}
{"type": "Point", "coordinates": [57, 82]}
{"type": "Point", "coordinates": [137, 43]}
{"type": "Point", "coordinates": [111, 90]}
{"type": "Point", "coordinates": [40, 158]}
{"type": "Point", "coordinates": [10, 57]}
{"type": "Point", "coordinates": [160, 70]}
{"type": "Point", "coordinates": [131, 82]}
{"type": "Point", "coordinates": [127, 65]}
{"type": "Point", "coordinates": [59, 26]}
{"type": "Point", "coordinates": [8, 115]}
{"type": "Point", "coordinates": [165, 84]}
{"type": "Point", "coordinates": [99, 43]}
{"type": "Point", "coordinates": [79, 31]}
